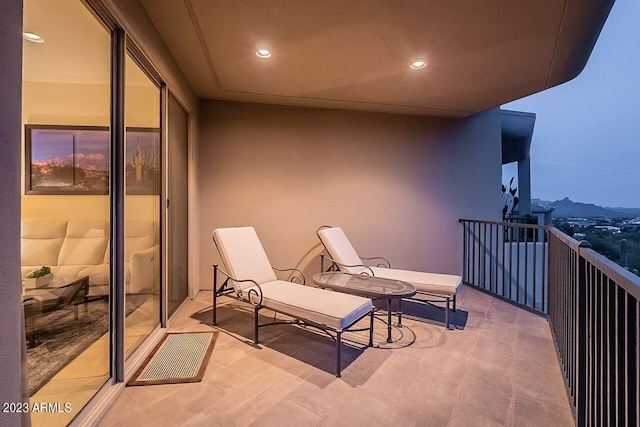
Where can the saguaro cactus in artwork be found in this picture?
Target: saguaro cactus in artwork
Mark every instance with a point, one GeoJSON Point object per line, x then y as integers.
{"type": "Point", "coordinates": [141, 162]}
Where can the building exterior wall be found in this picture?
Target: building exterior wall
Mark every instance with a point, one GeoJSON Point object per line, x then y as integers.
{"type": "Point", "coordinates": [396, 184]}
{"type": "Point", "coordinates": [10, 290]}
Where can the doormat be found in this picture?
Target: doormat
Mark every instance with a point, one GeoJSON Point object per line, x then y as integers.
{"type": "Point", "coordinates": [180, 357]}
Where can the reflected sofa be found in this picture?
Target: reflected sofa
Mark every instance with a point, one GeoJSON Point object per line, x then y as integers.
{"type": "Point", "coordinates": [78, 248]}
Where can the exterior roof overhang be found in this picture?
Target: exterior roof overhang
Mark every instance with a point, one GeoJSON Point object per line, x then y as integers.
{"type": "Point", "coordinates": [517, 131]}
{"type": "Point", "coordinates": [356, 55]}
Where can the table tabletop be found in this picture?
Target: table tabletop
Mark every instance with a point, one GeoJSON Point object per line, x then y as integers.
{"type": "Point", "coordinates": [57, 282]}
{"type": "Point", "coordinates": [364, 285]}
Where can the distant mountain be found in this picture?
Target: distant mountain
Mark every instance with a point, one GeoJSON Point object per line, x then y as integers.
{"type": "Point", "coordinates": [566, 208]}
{"type": "Point", "coordinates": [631, 211]}
{"type": "Point", "coordinates": [92, 161]}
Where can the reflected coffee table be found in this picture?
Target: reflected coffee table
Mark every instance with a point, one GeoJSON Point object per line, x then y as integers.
{"type": "Point", "coordinates": [370, 287]}
{"type": "Point", "coordinates": [56, 295]}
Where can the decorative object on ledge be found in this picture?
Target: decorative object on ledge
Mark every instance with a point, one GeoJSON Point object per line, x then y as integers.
{"type": "Point", "coordinates": [72, 160]}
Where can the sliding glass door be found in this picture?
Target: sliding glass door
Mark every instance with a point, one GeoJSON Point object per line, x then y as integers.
{"type": "Point", "coordinates": [65, 205]}
{"type": "Point", "coordinates": [143, 184]}
{"type": "Point", "coordinates": [88, 127]}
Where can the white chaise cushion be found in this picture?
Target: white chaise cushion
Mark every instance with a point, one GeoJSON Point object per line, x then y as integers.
{"type": "Point", "coordinates": [333, 309]}
{"type": "Point", "coordinates": [41, 242]}
{"type": "Point", "coordinates": [340, 249]}
{"type": "Point", "coordinates": [243, 256]}
{"type": "Point", "coordinates": [447, 284]}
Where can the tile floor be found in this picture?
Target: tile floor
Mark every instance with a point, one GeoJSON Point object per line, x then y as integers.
{"type": "Point", "coordinates": [498, 367]}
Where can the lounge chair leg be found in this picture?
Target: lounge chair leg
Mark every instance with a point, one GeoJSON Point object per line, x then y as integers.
{"type": "Point", "coordinates": [371, 328]}
{"type": "Point", "coordinates": [454, 304]}
{"type": "Point", "coordinates": [215, 299]}
{"type": "Point", "coordinates": [446, 314]}
{"type": "Point", "coordinates": [255, 324]}
{"type": "Point", "coordinates": [389, 320]}
{"type": "Point", "coordinates": [338, 344]}
{"type": "Point", "coordinates": [400, 313]}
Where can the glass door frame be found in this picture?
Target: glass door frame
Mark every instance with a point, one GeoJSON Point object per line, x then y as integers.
{"type": "Point", "coordinates": [121, 45]}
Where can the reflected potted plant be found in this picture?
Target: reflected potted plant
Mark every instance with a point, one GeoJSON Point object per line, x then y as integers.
{"type": "Point", "coordinates": [38, 278]}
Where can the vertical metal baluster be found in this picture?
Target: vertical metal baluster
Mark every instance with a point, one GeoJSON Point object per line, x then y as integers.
{"type": "Point", "coordinates": [605, 352]}
{"type": "Point", "coordinates": [464, 250]}
{"type": "Point", "coordinates": [526, 265]}
{"type": "Point", "coordinates": [616, 328]}
{"type": "Point", "coordinates": [592, 348]}
{"type": "Point", "coordinates": [510, 230]}
{"type": "Point", "coordinates": [473, 255]}
{"type": "Point", "coordinates": [484, 257]}
{"type": "Point", "coordinates": [518, 263]}
{"type": "Point", "coordinates": [637, 374]}
{"type": "Point", "coordinates": [545, 233]}
{"type": "Point", "coordinates": [496, 267]}
{"type": "Point", "coordinates": [599, 341]}
{"type": "Point", "coordinates": [535, 265]}
{"type": "Point", "coordinates": [490, 258]}
{"type": "Point", "coordinates": [504, 239]}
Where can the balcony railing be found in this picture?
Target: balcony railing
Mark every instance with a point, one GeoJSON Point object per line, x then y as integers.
{"type": "Point", "coordinates": [591, 303]}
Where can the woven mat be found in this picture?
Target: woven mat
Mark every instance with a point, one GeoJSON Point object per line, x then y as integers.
{"type": "Point", "coordinates": [178, 358]}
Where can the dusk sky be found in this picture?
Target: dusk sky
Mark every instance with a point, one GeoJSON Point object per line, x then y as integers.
{"type": "Point", "coordinates": [586, 140]}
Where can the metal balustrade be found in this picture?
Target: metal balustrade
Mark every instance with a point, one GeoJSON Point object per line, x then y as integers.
{"type": "Point", "coordinates": [591, 303]}
{"type": "Point", "coordinates": [507, 259]}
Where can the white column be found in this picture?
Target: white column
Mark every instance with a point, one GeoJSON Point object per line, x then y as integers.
{"type": "Point", "coordinates": [524, 186]}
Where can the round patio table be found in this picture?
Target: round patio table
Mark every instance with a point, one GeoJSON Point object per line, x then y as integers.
{"type": "Point", "coordinates": [370, 287]}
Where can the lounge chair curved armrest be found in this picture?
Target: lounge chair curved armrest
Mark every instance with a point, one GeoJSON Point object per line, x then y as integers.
{"type": "Point", "coordinates": [386, 263]}
{"type": "Point", "coordinates": [320, 228]}
{"type": "Point", "coordinates": [304, 282]}
{"type": "Point", "coordinates": [349, 266]}
{"type": "Point", "coordinates": [250, 292]}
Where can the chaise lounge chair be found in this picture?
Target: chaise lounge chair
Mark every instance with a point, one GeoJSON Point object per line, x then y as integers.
{"type": "Point", "coordinates": [253, 280]}
{"type": "Point", "coordinates": [341, 253]}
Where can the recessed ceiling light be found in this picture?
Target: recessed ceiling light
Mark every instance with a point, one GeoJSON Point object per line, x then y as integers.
{"type": "Point", "coordinates": [418, 64]}
{"type": "Point", "coordinates": [263, 53]}
{"type": "Point", "coordinates": [32, 37]}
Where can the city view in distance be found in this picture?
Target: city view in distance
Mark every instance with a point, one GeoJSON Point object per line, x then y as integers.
{"type": "Point", "coordinates": [585, 145]}
{"type": "Point", "coordinates": [612, 232]}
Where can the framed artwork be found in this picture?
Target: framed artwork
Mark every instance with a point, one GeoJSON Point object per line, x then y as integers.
{"type": "Point", "coordinates": [75, 160]}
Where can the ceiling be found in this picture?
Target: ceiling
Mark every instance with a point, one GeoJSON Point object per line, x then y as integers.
{"type": "Point", "coordinates": [76, 50]}
{"type": "Point", "coordinates": [355, 54]}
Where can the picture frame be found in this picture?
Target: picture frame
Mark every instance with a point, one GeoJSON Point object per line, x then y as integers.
{"type": "Point", "coordinates": [74, 160]}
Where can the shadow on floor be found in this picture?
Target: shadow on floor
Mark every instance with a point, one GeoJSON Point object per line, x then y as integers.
{"type": "Point", "coordinates": [306, 344]}
{"type": "Point", "coordinates": [429, 313]}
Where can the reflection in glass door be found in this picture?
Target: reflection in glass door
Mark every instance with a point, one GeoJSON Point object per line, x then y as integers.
{"type": "Point", "coordinates": [66, 111]}
{"type": "Point", "coordinates": [143, 178]}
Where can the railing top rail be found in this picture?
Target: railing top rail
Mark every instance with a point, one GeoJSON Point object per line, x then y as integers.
{"type": "Point", "coordinates": [623, 278]}
{"type": "Point", "coordinates": [569, 241]}
{"type": "Point", "coordinates": [507, 224]}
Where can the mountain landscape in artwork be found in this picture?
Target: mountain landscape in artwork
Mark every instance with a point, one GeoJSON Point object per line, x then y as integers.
{"type": "Point", "coordinates": [67, 160]}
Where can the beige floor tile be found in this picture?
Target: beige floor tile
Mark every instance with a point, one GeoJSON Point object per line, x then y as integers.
{"type": "Point", "coordinates": [498, 367]}
{"type": "Point", "coordinates": [391, 379]}
{"type": "Point", "coordinates": [287, 413]}
{"type": "Point", "coordinates": [357, 408]}
{"type": "Point", "coordinates": [533, 413]}
{"type": "Point", "coordinates": [487, 393]}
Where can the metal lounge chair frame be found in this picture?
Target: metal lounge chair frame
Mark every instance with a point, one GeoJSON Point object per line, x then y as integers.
{"type": "Point", "coordinates": [449, 300]}
{"type": "Point", "coordinates": [255, 298]}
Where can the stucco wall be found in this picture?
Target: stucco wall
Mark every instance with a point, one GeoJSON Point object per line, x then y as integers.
{"type": "Point", "coordinates": [10, 291]}
{"type": "Point", "coordinates": [396, 184]}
